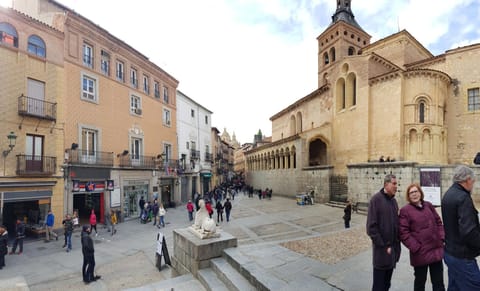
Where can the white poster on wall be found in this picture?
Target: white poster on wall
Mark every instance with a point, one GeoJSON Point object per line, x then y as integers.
{"type": "Point", "coordinates": [115, 198]}
{"type": "Point", "coordinates": [430, 183]}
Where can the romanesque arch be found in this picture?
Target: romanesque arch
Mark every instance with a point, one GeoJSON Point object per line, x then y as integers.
{"type": "Point", "coordinates": [332, 54]}
{"type": "Point", "coordinates": [351, 90]}
{"type": "Point", "coordinates": [317, 152]}
{"type": "Point", "coordinates": [299, 123]}
{"type": "Point", "coordinates": [293, 125]}
{"type": "Point", "coordinates": [340, 94]}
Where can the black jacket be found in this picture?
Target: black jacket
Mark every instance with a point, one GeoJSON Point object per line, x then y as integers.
{"type": "Point", "coordinates": [460, 220]}
{"type": "Point", "coordinates": [87, 244]}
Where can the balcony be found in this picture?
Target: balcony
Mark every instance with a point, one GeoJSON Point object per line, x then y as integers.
{"type": "Point", "coordinates": [137, 161]}
{"type": "Point", "coordinates": [208, 157]}
{"type": "Point", "coordinates": [194, 154]}
{"type": "Point", "coordinates": [28, 106]}
{"type": "Point", "coordinates": [94, 158]}
{"type": "Point", "coordinates": [28, 165]}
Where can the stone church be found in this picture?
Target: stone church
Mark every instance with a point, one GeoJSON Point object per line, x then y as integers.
{"type": "Point", "coordinates": [391, 98]}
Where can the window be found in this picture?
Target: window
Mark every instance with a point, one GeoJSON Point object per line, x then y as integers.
{"type": "Point", "coordinates": [351, 51]}
{"type": "Point", "coordinates": [188, 145]}
{"type": "Point", "coordinates": [105, 63]}
{"type": "Point", "coordinates": [421, 112]}
{"type": "Point", "coordinates": [167, 150]}
{"type": "Point", "coordinates": [332, 54]}
{"type": "Point", "coordinates": [325, 58]}
{"type": "Point", "coordinates": [133, 78]}
{"type": "Point", "coordinates": [8, 34]}
{"type": "Point", "coordinates": [36, 46]}
{"type": "Point", "coordinates": [156, 88]}
{"type": "Point", "coordinates": [34, 153]}
{"type": "Point", "coordinates": [87, 55]}
{"type": "Point", "coordinates": [137, 148]}
{"type": "Point", "coordinates": [192, 113]}
{"type": "Point", "coordinates": [207, 149]}
{"type": "Point", "coordinates": [135, 105]}
{"type": "Point", "coordinates": [146, 85]}
{"type": "Point", "coordinates": [89, 145]}
{"type": "Point", "coordinates": [206, 119]}
{"type": "Point", "coordinates": [194, 145]}
{"type": "Point", "coordinates": [89, 88]}
{"type": "Point", "coordinates": [474, 99]}
{"type": "Point", "coordinates": [120, 71]}
{"type": "Point", "coordinates": [166, 117]}
{"type": "Point", "coordinates": [165, 94]}
{"type": "Point", "coordinates": [35, 102]}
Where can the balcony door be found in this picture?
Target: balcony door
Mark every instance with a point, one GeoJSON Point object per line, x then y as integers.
{"type": "Point", "coordinates": [136, 151]}
{"type": "Point", "coordinates": [34, 153]}
{"type": "Point", "coordinates": [89, 146]}
{"type": "Point", "coordinates": [36, 94]}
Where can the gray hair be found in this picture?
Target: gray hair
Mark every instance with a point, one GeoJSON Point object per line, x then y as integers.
{"type": "Point", "coordinates": [462, 173]}
{"type": "Point", "coordinates": [388, 178]}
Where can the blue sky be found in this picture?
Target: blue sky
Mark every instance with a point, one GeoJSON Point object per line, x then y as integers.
{"type": "Point", "coordinates": [246, 60]}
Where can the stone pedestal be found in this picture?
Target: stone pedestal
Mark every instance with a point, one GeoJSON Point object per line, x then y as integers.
{"type": "Point", "coordinates": [191, 253]}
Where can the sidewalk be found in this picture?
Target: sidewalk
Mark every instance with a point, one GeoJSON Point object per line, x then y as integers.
{"type": "Point", "coordinates": [127, 260]}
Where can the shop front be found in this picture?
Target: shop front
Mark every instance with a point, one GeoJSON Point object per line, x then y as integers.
{"type": "Point", "coordinates": [166, 192]}
{"type": "Point", "coordinates": [133, 192]}
{"type": "Point", "coordinates": [88, 195]}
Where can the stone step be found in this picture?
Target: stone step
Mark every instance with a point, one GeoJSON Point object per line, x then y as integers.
{"type": "Point", "coordinates": [210, 280]}
{"type": "Point", "coordinates": [181, 283]}
{"type": "Point", "coordinates": [232, 279]}
{"type": "Point", "coordinates": [336, 204]}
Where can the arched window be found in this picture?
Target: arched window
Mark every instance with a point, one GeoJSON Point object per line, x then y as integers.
{"type": "Point", "coordinates": [8, 34]}
{"type": "Point", "coordinates": [36, 46]}
{"type": "Point", "coordinates": [351, 90]}
{"type": "Point", "coordinates": [332, 54]}
{"type": "Point", "coordinates": [340, 94]}
{"type": "Point", "coordinates": [325, 58]}
{"type": "Point", "coordinates": [421, 112]}
{"type": "Point", "coordinates": [351, 51]}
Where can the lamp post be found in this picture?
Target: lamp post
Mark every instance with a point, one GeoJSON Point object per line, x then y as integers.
{"type": "Point", "coordinates": [12, 138]}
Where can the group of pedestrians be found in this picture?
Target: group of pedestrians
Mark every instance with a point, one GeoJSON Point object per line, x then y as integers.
{"type": "Point", "coordinates": [152, 211]}
{"type": "Point", "coordinates": [419, 227]}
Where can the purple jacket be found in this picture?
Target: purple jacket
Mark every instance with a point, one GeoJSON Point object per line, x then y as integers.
{"type": "Point", "coordinates": [421, 231]}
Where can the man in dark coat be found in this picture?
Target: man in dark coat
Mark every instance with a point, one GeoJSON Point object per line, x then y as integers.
{"type": "Point", "coordinates": [228, 208]}
{"type": "Point", "coordinates": [462, 232]}
{"type": "Point", "coordinates": [3, 245]}
{"type": "Point", "coordinates": [347, 214]}
{"type": "Point", "coordinates": [141, 204]}
{"type": "Point", "coordinates": [383, 229]}
{"type": "Point", "coordinates": [19, 236]}
{"type": "Point", "coordinates": [88, 256]}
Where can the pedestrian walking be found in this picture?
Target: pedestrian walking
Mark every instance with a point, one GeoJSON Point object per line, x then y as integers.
{"type": "Point", "coordinates": [113, 221]}
{"type": "Point", "coordinates": [462, 232]}
{"type": "Point", "coordinates": [208, 205]}
{"type": "Point", "coordinates": [161, 213]}
{"type": "Point", "coordinates": [228, 207]}
{"type": "Point", "coordinates": [141, 204]}
{"type": "Point", "coordinates": [68, 232]}
{"type": "Point", "coordinates": [64, 231]}
{"type": "Point", "coordinates": [19, 236]}
{"type": "Point", "coordinates": [88, 251]}
{"type": "Point", "coordinates": [383, 229]}
{"type": "Point", "coordinates": [3, 245]}
{"type": "Point", "coordinates": [93, 222]}
{"type": "Point", "coordinates": [347, 216]}
{"type": "Point", "coordinates": [155, 209]}
{"type": "Point", "coordinates": [421, 231]}
{"type": "Point", "coordinates": [219, 208]}
{"type": "Point", "coordinates": [190, 210]}
{"type": "Point", "coordinates": [49, 223]}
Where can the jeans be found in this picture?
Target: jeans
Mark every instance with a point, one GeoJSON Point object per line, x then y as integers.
{"type": "Point", "coordinates": [382, 279]}
{"type": "Point", "coordinates": [190, 215]}
{"type": "Point", "coordinates": [162, 222]}
{"type": "Point", "coordinates": [68, 235]}
{"type": "Point", "coordinates": [463, 274]}
{"type": "Point", "coordinates": [19, 242]}
{"type": "Point", "coordinates": [227, 213]}
{"type": "Point", "coordinates": [436, 276]}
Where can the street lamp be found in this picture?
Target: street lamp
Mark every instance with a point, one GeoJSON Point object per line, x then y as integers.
{"type": "Point", "coordinates": [12, 139]}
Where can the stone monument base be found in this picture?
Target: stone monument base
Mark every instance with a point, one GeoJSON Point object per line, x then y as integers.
{"type": "Point", "coordinates": [191, 253]}
{"type": "Point", "coordinates": [203, 235]}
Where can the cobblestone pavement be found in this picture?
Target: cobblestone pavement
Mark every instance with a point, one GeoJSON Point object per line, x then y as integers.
{"type": "Point", "coordinates": [127, 259]}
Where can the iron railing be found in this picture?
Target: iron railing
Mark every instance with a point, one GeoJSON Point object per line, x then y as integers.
{"type": "Point", "coordinates": [194, 154]}
{"type": "Point", "coordinates": [29, 165]}
{"type": "Point", "coordinates": [137, 161]}
{"type": "Point", "coordinates": [28, 106]}
{"type": "Point", "coordinates": [208, 157]}
{"type": "Point", "coordinates": [86, 157]}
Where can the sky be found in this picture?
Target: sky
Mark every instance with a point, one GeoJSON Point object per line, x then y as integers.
{"type": "Point", "coordinates": [246, 60]}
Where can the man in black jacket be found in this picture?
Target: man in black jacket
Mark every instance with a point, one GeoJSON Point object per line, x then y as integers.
{"type": "Point", "coordinates": [462, 232]}
{"type": "Point", "coordinates": [88, 256]}
{"type": "Point", "coordinates": [19, 236]}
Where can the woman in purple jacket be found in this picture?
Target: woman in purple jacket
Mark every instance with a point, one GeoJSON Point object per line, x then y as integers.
{"type": "Point", "coordinates": [421, 231]}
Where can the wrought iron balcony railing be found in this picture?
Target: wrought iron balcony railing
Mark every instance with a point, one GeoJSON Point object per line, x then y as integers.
{"type": "Point", "coordinates": [85, 157]}
{"type": "Point", "coordinates": [138, 161]}
{"type": "Point", "coordinates": [194, 154]}
{"type": "Point", "coordinates": [28, 165]}
{"type": "Point", "coordinates": [28, 106]}
{"type": "Point", "coordinates": [208, 157]}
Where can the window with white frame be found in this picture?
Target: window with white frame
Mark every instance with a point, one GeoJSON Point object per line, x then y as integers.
{"type": "Point", "coordinates": [120, 73]}
{"type": "Point", "coordinates": [88, 142]}
{"type": "Point", "coordinates": [36, 46]}
{"type": "Point", "coordinates": [166, 117]}
{"type": "Point", "coordinates": [136, 148]}
{"type": "Point", "coordinates": [135, 105]}
{"type": "Point", "coordinates": [192, 113]}
{"type": "Point", "coordinates": [165, 94]}
{"type": "Point", "coordinates": [188, 145]}
{"type": "Point", "coordinates": [167, 150]}
{"type": "Point", "coordinates": [146, 84]}
{"type": "Point", "coordinates": [105, 63]}
{"type": "Point", "coordinates": [8, 34]}
{"type": "Point", "coordinates": [473, 99]}
{"type": "Point", "coordinates": [133, 78]}
{"type": "Point", "coordinates": [87, 55]}
{"type": "Point", "coordinates": [89, 88]}
{"type": "Point", "coordinates": [156, 89]}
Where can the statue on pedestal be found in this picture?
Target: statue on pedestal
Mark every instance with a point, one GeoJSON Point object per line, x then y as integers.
{"type": "Point", "coordinates": [204, 226]}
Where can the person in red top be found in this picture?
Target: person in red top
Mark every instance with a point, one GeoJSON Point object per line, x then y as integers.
{"type": "Point", "coordinates": [190, 210]}
{"type": "Point", "coordinates": [421, 231]}
{"type": "Point", "coordinates": [208, 205]}
{"type": "Point", "coordinates": [93, 222]}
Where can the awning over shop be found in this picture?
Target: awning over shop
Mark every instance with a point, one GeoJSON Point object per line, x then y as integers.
{"type": "Point", "coordinates": [26, 195]}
